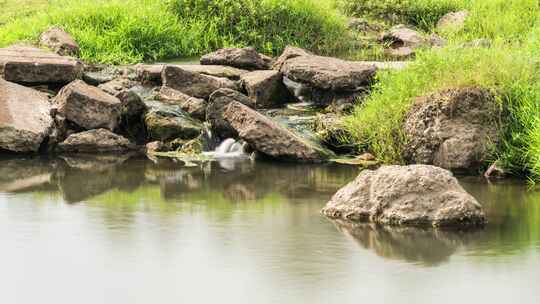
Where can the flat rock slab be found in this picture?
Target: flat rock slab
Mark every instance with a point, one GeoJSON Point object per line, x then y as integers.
{"type": "Point", "coordinates": [88, 106]}
{"type": "Point", "coordinates": [99, 140]}
{"type": "Point", "coordinates": [417, 195]}
{"type": "Point", "coordinates": [152, 72]}
{"type": "Point", "coordinates": [193, 83]}
{"type": "Point", "coordinates": [243, 58]}
{"type": "Point", "coordinates": [25, 119]}
{"type": "Point", "coordinates": [270, 138]}
{"type": "Point", "coordinates": [23, 64]}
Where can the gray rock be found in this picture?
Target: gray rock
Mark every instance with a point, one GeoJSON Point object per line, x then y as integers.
{"type": "Point", "coordinates": [88, 106]}
{"type": "Point", "coordinates": [453, 21]}
{"type": "Point", "coordinates": [117, 85]}
{"type": "Point", "coordinates": [152, 72]}
{"type": "Point", "coordinates": [417, 195]}
{"type": "Point", "coordinates": [165, 122]}
{"type": "Point", "coordinates": [25, 119]}
{"type": "Point", "coordinates": [243, 58]}
{"type": "Point", "coordinates": [216, 106]}
{"type": "Point", "coordinates": [290, 52]}
{"type": "Point", "coordinates": [60, 42]}
{"type": "Point", "coordinates": [265, 88]}
{"type": "Point", "coordinates": [452, 129]}
{"type": "Point", "coordinates": [93, 141]}
{"type": "Point", "coordinates": [270, 138]}
{"type": "Point", "coordinates": [195, 107]}
{"type": "Point", "coordinates": [29, 65]}
{"type": "Point", "coordinates": [194, 84]}
{"type": "Point", "coordinates": [402, 36]}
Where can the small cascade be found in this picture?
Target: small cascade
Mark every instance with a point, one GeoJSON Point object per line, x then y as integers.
{"type": "Point", "coordinates": [229, 148]}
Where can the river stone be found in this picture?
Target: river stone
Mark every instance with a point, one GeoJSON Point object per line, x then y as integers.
{"type": "Point", "coordinates": [194, 84]}
{"type": "Point", "coordinates": [328, 73]}
{"type": "Point", "coordinates": [402, 36]}
{"type": "Point", "coordinates": [29, 65]}
{"type": "Point", "coordinates": [270, 138]}
{"type": "Point", "coordinates": [216, 106]}
{"type": "Point", "coordinates": [453, 21]}
{"type": "Point", "coordinates": [195, 107]}
{"type": "Point", "coordinates": [417, 195]}
{"type": "Point", "coordinates": [289, 53]}
{"type": "Point", "coordinates": [165, 122]}
{"type": "Point", "coordinates": [243, 58]}
{"type": "Point", "coordinates": [452, 129]}
{"type": "Point", "coordinates": [152, 72]}
{"type": "Point", "coordinates": [60, 42]}
{"type": "Point", "coordinates": [88, 106]}
{"type": "Point", "coordinates": [117, 85]}
{"type": "Point", "coordinates": [131, 124]}
{"type": "Point", "coordinates": [93, 141]}
{"type": "Point", "coordinates": [25, 119]}
{"type": "Point", "coordinates": [265, 88]}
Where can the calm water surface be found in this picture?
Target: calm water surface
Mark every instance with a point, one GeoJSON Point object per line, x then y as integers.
{"type": "Point", "coordinates": [110, 230]}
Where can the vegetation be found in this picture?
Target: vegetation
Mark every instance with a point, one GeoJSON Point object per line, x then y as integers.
{"type": "Point", "coordinates": [127, 31]}
{"type": "Point", "coordinates": [510, 68]}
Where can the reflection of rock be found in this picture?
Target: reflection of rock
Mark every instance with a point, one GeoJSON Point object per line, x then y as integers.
{"type": "Point", "coordinates": [91, 162]}
{"type": "Point", "coordinates": [24, 174]}
{"type": "Point", "coordinates": [425, 246]}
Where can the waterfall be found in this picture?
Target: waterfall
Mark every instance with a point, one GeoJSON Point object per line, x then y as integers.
{"type": "Point", "coordinates": [230, 148]}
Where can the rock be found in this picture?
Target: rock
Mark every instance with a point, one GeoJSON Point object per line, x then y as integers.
{"type": "Point", "coordinates": [195, 107]}
{"type": "Point", "coordinates": [496, 171]}
{"type": "Point", "coordinates": [402, 36]}
{"type": "Point", "coordinates": [289, 53]}
{"type": "Point", "coordinates": [417, 195]}
{"type": "Point", "coordinates": [453, 21]}
{"type": "Point", "coordinates": [265, 88]}
{"type": "Point", "coordinates": [243, 58]}
{"type": "Point", "coordinates": [452, 129]}
{"type": "Point", "coordinates": [29, 65]}
{"type": "Point", "coordinates": [219, 100]}
{"type": "Point", "coordinates": [131, 124]}
{"type": "Point", "coordinates": [194, 84]}
{"type": "Point", "coordinates": [389, 65]}
{"type": "Point", "coordinates": [154, 147]}
{"type": "Point", "coordinates": [95, 76]}
{"type": "Point", "coordinates": [270, 138]}
{"type": "Point", "coordinates": [164, 123]}
{"type": "Point", "coordinates": [117, 85]}
{"type": "Point", "coordinates": [88, 106]}
{"type": "Point", "coordinates": [99, 140]}
{"type": "Point", "coordinates": [401, 53]}
{"type": "Point", "coordinates": [60, 42]}
{"type": "Point", "coordinates": [152, 73]}
{"type": "Point", "coordinates": [25, 119]}
{"type": "Point", "coordinates": [330, 130]}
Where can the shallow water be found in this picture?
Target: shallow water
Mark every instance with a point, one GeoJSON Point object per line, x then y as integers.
{"type": "Point", "coordinates": [118, 230]}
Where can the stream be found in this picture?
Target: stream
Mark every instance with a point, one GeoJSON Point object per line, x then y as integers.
{"type": "Point", "coordinates": [110, 229]}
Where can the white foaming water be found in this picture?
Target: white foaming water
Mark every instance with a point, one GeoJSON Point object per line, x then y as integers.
{"type": "Point", "coordinates": [230, 148]}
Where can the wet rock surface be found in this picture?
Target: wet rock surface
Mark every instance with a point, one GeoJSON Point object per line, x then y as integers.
{"type": "Point", "coordinates": [29, 65]}
{"type": "Point", "coordinates": [452, 129]}
{"type": "Point", "coordinates": [25, 119]}
{"type": "Point", "coordinates": [417, 195]}
{"type": "Point", "coordinates": [243, 58]}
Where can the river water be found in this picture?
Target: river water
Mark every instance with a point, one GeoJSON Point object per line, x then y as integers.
{"type": "Point", "coordinates": [130, 230]}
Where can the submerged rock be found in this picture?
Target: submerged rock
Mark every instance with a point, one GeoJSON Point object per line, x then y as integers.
{"type": "Point", "coordinates": [29, 65]}
{"type": "Point", "coordinates": [452, 129]}
{"type": "Point", "coordinates": [99, 140]}
{"type": "Point", "coordinates": [270, 138]}
{"type": "Point", "coordinates": [25, 119]}
{"type": "Point", "coordinates": [194, 84]}
{"type": "Point", "coordinates": [417, 195]}
{"type": "Point", "coordinates": [60, 42]}
{"type": "Point", "coordinates": [166, 123]}
{"type": "Point", "coordinates": [243, 58]}
{"type": "Point", "coordinates": [265, 88]}
{"type": "Point", "coordinates": [196, 107]}
{"type": "Point", "coordinates": [88, 106]}
{"type": "Point", "coordinates": [217, 104]}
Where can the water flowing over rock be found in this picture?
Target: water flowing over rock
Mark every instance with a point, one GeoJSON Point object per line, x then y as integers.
{"type": "Point", "coordinates": [270, 138]}
{"type": "Point", "coordinates": [452, 129]}
{"type": "Point", "coordinates": [265, 88]}
{"type": "Point", "coordinates": [94, 141]}
{"type": "Point", "coordinates": [29, 65]}
{"type": "Point", "coordinates": [216, 106]}
{"type": "Point", "coordinates": [417, 195]}
{"type": "Point", "coordinates": [60, 42]}
{"type": "Point", "coordinates": [88, 106]}
{"type": "Point", "coordinates": [453, 21]}
{"type": "Point", "coordinates": [25, 119]}
{"type": "Point", "coordinates": [243, 58]}
{"type": "Point", "coordinates": [165, 122]}
{"type": "Point", "coordinates": [194, 84]}
{"type": "Point", "coordinates": [196, 107]}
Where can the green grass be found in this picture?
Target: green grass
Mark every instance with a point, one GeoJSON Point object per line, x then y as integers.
{"type": "Point", "coordinates": [510, 68]}
{"type": "Point", "coordinates": [116, 31]}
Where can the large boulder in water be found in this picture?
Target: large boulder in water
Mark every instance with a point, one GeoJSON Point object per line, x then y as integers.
{"type": "Point", "coordinates": [265, 88]}
{"type": "Point", "coordinates": [88, 106]}
{"type": "Point", "coordinates": [243, 58]}
{"type": "Point", "coordinates": [25, 119]}
{"type": "Point", "coordinates": [59, 41]}
{"type": "Point", "coordinates": [29, 65]}
{"type": "Point", "coordinates": [417, 195]}
{"type": "Point", "coordinates": [93, 141]}
{"type": "Point", "coordinates": [166, 122]}
{"type": "Point", "coordinates": [219, 100]}
{"type": "Point", "coordinates": [452, 129]}
{"type": "Point", "coordinates": [192, 83]}
{"type": "Point", "coordinates": [288, 53]}
{"type": "Point", "coordinates": [270, 138]}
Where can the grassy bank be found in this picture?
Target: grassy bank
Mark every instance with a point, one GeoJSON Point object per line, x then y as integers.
{"type": "Point", "coordinates": [510, 67]}
{"type": "Point", "coordinates": [115, 31]}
